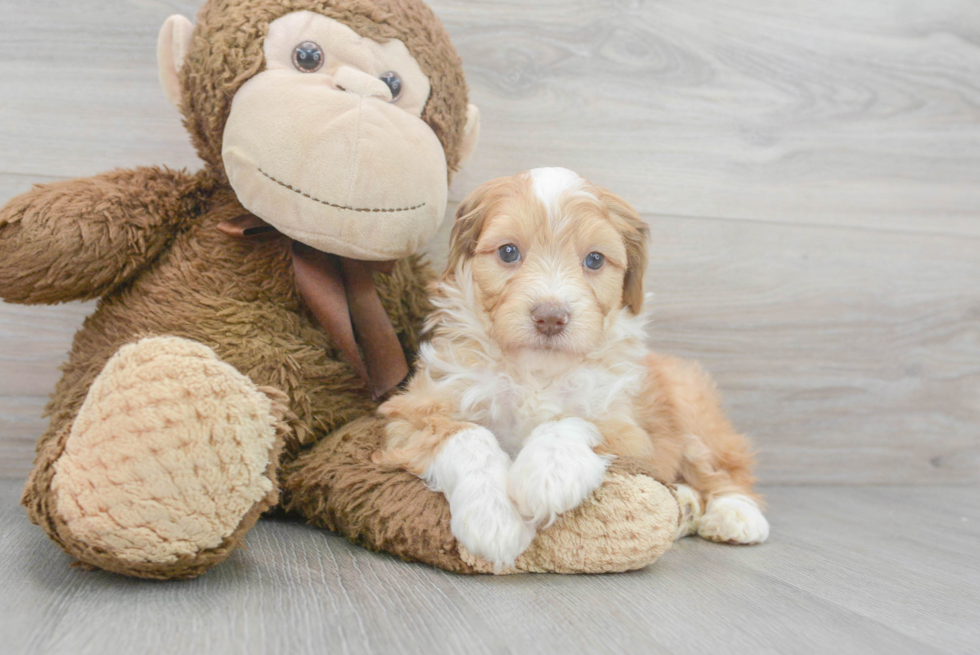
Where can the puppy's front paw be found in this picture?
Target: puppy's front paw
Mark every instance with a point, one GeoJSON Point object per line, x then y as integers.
{"type": "Point", "coordinates": [733, 519]}
{"type": "Point", "coordinates": [488, 525]}
{"type": "Point", "coordinates": [556, 470]}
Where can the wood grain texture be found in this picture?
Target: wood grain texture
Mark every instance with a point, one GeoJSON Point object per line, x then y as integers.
{"type": "Point", "coordinates": [810, 171]}
{"type": "Point", "coordinates": [848, 570]}
{"type": "Point", "coordinates": [837, 112]}
{"type": "Point", "coordinates": [849, 355]}
{"type": "Point", "coordinates": [34, 341]}
{"type": "Point", "coordinates": [95, 102]}
{"type": "Point", "coordinates": [831, 112]}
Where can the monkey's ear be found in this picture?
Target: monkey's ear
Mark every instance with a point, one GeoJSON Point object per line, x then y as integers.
{"type": "Point", "coordinates": [471, 134]}
{"type": "Point", "coordinates": [172, 46]}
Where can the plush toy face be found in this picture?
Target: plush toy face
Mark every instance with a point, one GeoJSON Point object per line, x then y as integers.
{"type": "Point", "coordinates": [318, 145]}
{"type": "Point", "coordinates": [328, 141]}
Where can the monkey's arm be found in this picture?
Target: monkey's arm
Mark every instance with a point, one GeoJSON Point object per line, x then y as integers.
{"type": "Point", "coordinates": [79, 239]}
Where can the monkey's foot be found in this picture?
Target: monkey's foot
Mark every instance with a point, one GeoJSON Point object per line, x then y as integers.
{"type": "Point", "coordinates": [626, 524]}
{"type": "Point", "coordinates": [169, 462]}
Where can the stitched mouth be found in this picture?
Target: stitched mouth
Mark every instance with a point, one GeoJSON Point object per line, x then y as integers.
{"type": "Point", "coordinates": [335, 205]}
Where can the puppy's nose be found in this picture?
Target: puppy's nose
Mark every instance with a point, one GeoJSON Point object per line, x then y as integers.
{"type": "Point", "coordinates": [550, 318]}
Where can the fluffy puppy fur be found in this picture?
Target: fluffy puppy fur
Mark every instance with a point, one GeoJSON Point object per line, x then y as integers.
{"type": "Point", "coordinates": [537, 353]}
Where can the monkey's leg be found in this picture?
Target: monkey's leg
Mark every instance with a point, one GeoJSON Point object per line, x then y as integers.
{"type": "Point", "coordinates": [170, 460]}
{"type": "Point", "coordinates": [626, 524]}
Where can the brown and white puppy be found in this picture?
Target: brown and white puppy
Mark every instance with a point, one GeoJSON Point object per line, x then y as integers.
{"type": "Point", "coordinates": [537, 352]}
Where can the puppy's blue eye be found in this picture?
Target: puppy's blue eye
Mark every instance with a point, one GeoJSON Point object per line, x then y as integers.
{"type": "Point", "coordinates": [594, 260]}
{"type": "Point", "coordinates": [509, 253]}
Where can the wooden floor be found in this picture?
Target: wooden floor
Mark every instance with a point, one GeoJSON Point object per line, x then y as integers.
{"type": "Point", "coordinates": [849, 570]}
{"type": "Point", "coordinates": [810, 171]}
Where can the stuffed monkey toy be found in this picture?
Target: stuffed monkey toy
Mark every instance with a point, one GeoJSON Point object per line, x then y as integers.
{"type": "Point", "coordinates": [252, 313]}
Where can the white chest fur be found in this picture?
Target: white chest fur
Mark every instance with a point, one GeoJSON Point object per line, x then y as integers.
{"type": "Point", "coordinates": [511, 393]}
{"type": "Point", "coordinates": [530, 390]}
{"type": "Point", "coordinates": [514, 393]}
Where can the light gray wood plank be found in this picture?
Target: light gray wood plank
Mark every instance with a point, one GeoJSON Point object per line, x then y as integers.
{"type": "Point", "coordinates": [13, 184]}
{"type": "Point", "coordinates": [34, 341]}
{"type": "Point", "coordinates": [848, 570]}
{"type": "Point", "coordinates": [849, 355]}
{"type": "Point", "coordinates": [92, 102]}
{"type": "Point", "coordinates": [835, 112]}
{"type": "Point", "coordinates": [828, 112]}
{"type": "Point", "coordinates": [20, 426]}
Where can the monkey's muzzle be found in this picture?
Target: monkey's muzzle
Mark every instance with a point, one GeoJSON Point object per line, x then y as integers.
{"type": "Point", "coordinates": [343, 173]}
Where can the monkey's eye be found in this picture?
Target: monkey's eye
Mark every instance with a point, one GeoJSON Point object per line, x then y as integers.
{"type": "Point", "coordinates": [508, 253]}
{"type": "Point", "coordinates": [394, 82]}
{"type": "Point", "coordinates": [594, 260]}
{"type": "Point", "coordinates": [308, 57]}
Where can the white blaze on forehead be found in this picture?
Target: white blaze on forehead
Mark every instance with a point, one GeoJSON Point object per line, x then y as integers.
{"type": "Point", "coordinates": [551, 186]}
{"type": "Point", "coordinates": [550, 183]}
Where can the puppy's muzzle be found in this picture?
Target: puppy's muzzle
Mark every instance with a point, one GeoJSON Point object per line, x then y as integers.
{"type": "Point", "coordinates": [550, 318]}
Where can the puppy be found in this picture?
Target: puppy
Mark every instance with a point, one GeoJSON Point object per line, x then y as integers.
{"type": "Point", "coordinates": [537, 354]}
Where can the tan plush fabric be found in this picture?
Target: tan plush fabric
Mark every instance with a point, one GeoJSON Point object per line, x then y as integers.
{"type": "Point", "coordinates": [172, 45]}
{"type": "Point", "coordinates": [239, 299]}
{"type": "Point", "coordinates": [345, 51]}
{"type": "Point", "coordinates": [167, 455]}
{"type": "Point", "coordinates": [227, 52]}
{"type": "Point", "coordinates": [347, 174]}
{"type": "Point", "coordinates": [627, 524]}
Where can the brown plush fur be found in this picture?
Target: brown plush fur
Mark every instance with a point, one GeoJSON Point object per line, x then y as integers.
{"type": "Point", "coordinates": [237, 297]}
{"type": "Point", "coordinates": [146, 242]}
{"type": "Point", "coordinates": [339, 487]}
{"type": "Point", "coordinates": [336, 484]}
{"type": "Point", "coordinates": [81, 239]}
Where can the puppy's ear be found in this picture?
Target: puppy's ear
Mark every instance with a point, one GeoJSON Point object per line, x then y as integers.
{"type": "Point", "coordinates": [470, 217]}
{"type": "Point", "coordinates": [635, 234]}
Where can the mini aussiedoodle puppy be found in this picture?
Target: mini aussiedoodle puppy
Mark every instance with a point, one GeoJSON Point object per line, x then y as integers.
{"type": "Point", "coordinates": [537, 352]}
